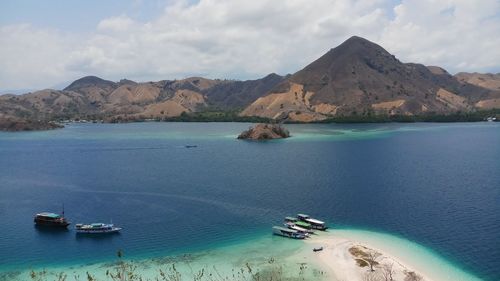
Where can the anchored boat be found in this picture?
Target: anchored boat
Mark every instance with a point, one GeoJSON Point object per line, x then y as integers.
{"type": "Point", "coordinates": [96, 228]}
{"type": "Point", "coordinates": [299, 223]}
{"type": "Point", "coordinates": [286, 232]}
{"type": "Point", "coordinates": [51, 219]}
{"type": "Point", "coordinates": [291, 225]}
{"type": "Point", "coordinates": [315, 224]}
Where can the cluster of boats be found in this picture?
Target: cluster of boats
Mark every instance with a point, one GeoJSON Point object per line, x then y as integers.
{"type": "Point", "coordinates": [299, 227]}
{"type": "Point", "coordinates": [56, 220]}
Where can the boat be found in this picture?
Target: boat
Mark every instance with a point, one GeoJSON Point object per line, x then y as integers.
{"type": "Point", "coordinates": [299, 223]}
{"type": "Point", "coordinates": [315, 224]}
{"type": "Point", "coordinates": [318, 249]}
{"type": "Point", "coordinates": [303, 224]}
{"type": "Point", "coordinates": [491, 119]}
{"type": "Point", "coordinates": [304, 231]}
{"type": "Point", "coordinates": [51, 219]}
{"type": "Point", "coordinates": [96, 228]}
{"type": "Point", "coordinates": [190, 146]}
{"type": "Point", "coordinates": [290, 233]}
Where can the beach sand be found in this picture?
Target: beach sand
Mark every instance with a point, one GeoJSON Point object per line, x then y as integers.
{"type": "Point", "coordinates": [272, 258]}
{"type": "Point", "coordinates": [338, 260]}
{"type": "Point", "coordinates": [403, 255]}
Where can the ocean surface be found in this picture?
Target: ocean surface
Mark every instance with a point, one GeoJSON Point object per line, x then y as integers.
{"type": "Point", "coordinates": [437, 185]}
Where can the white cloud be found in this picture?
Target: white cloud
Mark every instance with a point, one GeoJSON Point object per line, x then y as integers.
{"type": "Point", "coordinates": [460, 35]}
{"type": "Point", "coordinates": [249, 39]}
{"type": "Point", "coordinates": [116, 24]}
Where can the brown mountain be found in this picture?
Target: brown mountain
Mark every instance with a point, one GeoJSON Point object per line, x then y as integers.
{"type": "Point", "coordinates": [360, 78]}
{"type": "Point", "coordinates": [488, 81]}
{"type": "Point", "coordinates": [357, 78]}
{"type": "Point", "coordinates": [98, 98]}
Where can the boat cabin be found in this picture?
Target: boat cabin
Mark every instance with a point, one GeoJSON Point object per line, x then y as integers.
{"type": "Point", "coordinates": [302, 217]}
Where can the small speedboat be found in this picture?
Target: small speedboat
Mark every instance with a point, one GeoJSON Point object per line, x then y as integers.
{"type": "Point", "coordinates": [97, 228]}
{"type": "Point", "coordinates": [318, 249]}
{"type": "Point", "coordinates": [190, 146]}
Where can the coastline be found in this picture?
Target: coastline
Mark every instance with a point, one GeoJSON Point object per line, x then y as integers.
{"type": "Point", "coordinates": [272, 256]}
{"type": "Point", "coordinates": [404, 255]}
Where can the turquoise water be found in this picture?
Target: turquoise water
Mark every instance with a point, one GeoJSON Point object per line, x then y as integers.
{"type": "Point", "coordinates": [435, 184]}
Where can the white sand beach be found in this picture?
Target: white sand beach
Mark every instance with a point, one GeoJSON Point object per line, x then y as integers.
{"type": "Point", "coordinates": [339, 255]}
{"type": "Point", "coordinates": [341, 248]}
{"type": "Point", "coordinates": [275, 258]}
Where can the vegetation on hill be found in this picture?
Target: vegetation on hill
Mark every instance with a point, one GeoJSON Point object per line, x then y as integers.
{"type": "Point", "coordinates": [15, 124]}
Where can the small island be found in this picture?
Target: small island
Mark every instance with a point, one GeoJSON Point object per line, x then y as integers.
{"type": "Point", "coordinates": [265, 132]}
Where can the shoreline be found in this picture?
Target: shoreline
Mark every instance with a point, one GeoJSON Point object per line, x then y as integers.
{"type": "Point", "coordinates": [276, 256]}
{"type": "Point", "coordinates": [32, 125]}
{"type": "Point", "coordinates": [406, 256]}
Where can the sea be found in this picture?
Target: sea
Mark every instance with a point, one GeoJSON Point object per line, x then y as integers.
{"type": "Point", "coordinates": [188, 187]}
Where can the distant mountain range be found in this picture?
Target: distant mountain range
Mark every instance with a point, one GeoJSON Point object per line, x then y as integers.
{"type": "Point", "coordinates": [357, 78]}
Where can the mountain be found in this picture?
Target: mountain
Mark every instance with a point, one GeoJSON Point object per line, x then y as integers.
{"type": "Point", "coordinates": [359, 77]}
{"type": "Point", "coordinates": [93, 97]}
{"type": "Point", "coordinates": [487, 80]}
{"type": "Point", "coordinates": [356, 79]}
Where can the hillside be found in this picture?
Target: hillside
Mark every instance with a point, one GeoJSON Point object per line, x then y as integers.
{"type": "Point", "coordinates": [361, 78]}
{"type": "Point", "coordinates": [356, 79]}
{"type": "Point", "coordinates": [93, 97]}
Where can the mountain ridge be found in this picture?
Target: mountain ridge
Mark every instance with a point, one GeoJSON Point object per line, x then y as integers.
{"type": "Point", "coordinates": [359, 77]}
{"type": "Point", "coordinates": [356, 78]}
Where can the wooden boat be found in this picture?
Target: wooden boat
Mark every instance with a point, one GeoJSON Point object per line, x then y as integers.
{"type": "Point", "coordinates": [51, 219]}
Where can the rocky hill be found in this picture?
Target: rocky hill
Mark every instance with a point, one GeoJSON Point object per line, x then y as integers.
{"type": "Point", "coordinates": [265, 132]}
{"type": "Point", "coordinates": [361, 78]}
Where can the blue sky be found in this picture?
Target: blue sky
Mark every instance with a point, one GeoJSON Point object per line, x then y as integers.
{"type": "Point", "coordinates": [75, 16]}
{"type": "Point", "coordinates": [50, 43]}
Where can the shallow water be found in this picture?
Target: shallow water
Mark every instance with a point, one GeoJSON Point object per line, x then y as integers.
{"type": "Point", "coordinates": [436, 184]}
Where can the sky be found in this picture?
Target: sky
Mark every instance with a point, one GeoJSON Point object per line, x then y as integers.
{"type": "Point", "coordinates": [48, 44]}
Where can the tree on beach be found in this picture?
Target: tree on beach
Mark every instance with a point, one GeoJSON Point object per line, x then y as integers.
{"type": "Point", "coordinates": [388, 272]}
{"type": "Point", "coordinates": [371, 258]}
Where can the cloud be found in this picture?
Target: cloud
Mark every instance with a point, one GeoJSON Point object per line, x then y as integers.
{"type": "Point", "coordinates": [116, 24]}
{"type": "Point", "coordinates": [249, 39]}
{"type": "Point", "coordinates": [459, 35]}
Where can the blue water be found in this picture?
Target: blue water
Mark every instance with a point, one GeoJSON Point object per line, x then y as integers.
{"type": "Point", "coordinates": [435, 184]}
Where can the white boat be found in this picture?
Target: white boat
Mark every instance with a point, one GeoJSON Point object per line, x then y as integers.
{"type": "Point", "coordinates": [315, 224]}
{"type": "Point", "coordinates": [281, 231]}
{"type": "Point", "coordinates": [97, 228]}
{"type": "Point", "coordinates": [302, 230]}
